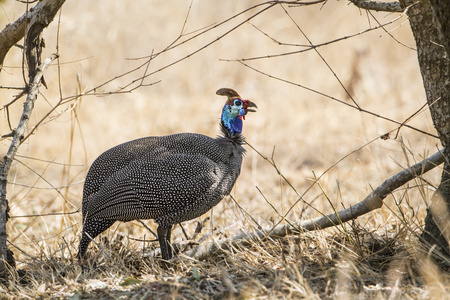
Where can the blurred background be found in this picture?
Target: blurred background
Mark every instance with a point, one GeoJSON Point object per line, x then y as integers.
{"type": "Point", "coordinates": [302, 131]}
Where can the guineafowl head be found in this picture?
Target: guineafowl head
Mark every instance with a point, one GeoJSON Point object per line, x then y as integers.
{"type": "Point", "coordinates": [234, 110]}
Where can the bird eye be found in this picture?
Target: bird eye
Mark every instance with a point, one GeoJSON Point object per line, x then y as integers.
{"type": "Point", "coordinates": [237, 102]}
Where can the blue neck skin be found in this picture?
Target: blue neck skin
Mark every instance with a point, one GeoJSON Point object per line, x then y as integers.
{"type": "Point", "coordinates": [231, 118]}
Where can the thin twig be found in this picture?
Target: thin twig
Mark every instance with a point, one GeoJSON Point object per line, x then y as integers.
{"type": "Point", "coordinates": [148, 228]}
{"type": "Point", "coordinates": [311, 47]}
{"type": "Point", "coordinates": [323, 59]}
{"type": "Point", "coordinates": [340, 101]}
{"type": "Point", "coordinates": [46, 215]}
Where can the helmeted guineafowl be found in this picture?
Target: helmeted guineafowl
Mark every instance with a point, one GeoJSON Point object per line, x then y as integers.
{"type": "Point", "coordinates": [171, 178]}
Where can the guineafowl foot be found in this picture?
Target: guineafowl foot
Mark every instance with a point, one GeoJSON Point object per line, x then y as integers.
{"type": "Point", "coordinates": [164, 241]}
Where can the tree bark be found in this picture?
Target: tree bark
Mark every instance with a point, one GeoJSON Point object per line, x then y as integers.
{"type": "Point", "coordinates": [429, 22]}
{"type": "Point", "coordinates": [430, 25]}
{"type": "Point", "coordinates": [441, 13]}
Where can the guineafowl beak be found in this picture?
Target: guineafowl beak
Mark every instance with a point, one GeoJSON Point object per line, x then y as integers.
{"type": "Point", "coordinates": [251, 104]}
{"type": "Point", "coordinates": [245, 108]}
{"type": "Point", "coordinates": [247, 104]}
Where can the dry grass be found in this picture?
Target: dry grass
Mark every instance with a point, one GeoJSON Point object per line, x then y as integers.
{"type": "Point", "coordinates": [303, 132]}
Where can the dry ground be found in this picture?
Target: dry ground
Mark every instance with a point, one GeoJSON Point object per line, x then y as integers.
{"type": "Point", "coordinates": [304, 133]}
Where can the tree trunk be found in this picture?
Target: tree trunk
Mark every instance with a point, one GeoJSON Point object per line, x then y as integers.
{"type": "Point", "coordinates": [429, 20]}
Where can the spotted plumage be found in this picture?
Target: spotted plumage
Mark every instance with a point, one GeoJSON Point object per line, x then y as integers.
{"type": "Point", "coordinates": [170, 178]}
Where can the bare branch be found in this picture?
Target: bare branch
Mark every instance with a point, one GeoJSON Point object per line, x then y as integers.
{"type": "Point", "coordinates": [23, 123]}
{"type": "Point", "coordinates": [43, 13]}
{"type": "Point", "coordinates": [379, 6]}
{"type": "Point", "coordinates": [323, 59]}
{"type": "Point", "coordinates": [7, 161]}
{"type": "Point", "coordinates": [311, 47]}
{"type": "Point", "coordinates": [373, 201]}
{"type": "Point", "coordinates": [389, 33]}
{"type": "Point", "coordinates": [340, 101]}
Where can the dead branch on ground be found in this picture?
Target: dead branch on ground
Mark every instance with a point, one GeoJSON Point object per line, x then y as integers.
{"type": "Point", "coordinates": [373, 201]}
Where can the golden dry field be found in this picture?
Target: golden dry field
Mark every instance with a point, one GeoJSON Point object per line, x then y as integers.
{"type": "Point", "coordinates": [306, 125]}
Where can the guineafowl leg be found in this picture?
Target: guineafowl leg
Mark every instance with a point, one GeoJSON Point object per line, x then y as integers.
{"type": "Point", "coordinates": [164, 241]}
{"type": "Point", "coordinates": [92, 228]}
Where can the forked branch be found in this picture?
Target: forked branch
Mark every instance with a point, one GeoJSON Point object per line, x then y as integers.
{"type": "Point", "coordinates": [373, 201]}
{"type": "Point", "coordinates": [43, 13]}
